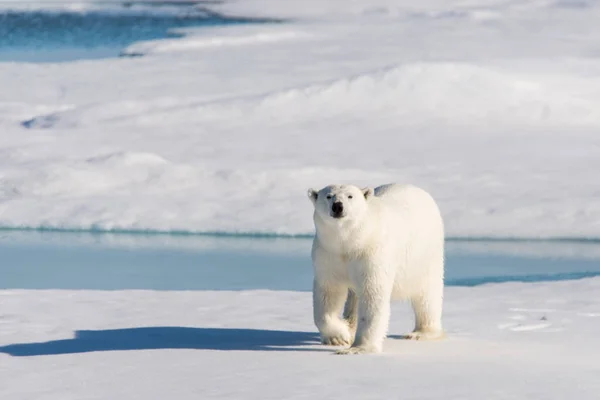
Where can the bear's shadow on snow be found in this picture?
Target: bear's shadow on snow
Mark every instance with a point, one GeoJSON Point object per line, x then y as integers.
{"type": "Point", "coordinates": [168, 337]}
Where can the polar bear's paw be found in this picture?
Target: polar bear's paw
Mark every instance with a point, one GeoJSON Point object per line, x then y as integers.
{"type": "Point", "coordinates": [358, 350]}
{"type": "Point", "coordinates": [424, 335]}
{"type": "Point", "coordinates": [336, 340]}
{"type": "Point", "coordinates": [336, 333]}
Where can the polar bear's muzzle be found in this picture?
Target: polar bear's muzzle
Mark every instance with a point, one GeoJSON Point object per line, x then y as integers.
{"type": "Point", "coordinates": [337, 209]}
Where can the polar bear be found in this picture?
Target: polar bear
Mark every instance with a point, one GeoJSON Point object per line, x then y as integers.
{"type": "Point", "coordinates": [372, 246]}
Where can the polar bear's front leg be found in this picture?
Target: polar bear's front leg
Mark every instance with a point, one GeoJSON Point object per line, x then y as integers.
{"type": "Point", "coordinates": [328, 302]}
{"type": "Point", "coordinates": [374, 296]}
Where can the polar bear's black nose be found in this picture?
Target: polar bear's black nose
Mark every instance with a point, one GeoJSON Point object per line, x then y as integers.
{"type": "Point", "coordinates": [337, 207]}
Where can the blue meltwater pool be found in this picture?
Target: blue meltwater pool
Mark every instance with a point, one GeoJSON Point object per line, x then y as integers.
{"type": "Point", "coordinates": [56, 260]}
{"type": "Point", "coordinates": [67, 35]}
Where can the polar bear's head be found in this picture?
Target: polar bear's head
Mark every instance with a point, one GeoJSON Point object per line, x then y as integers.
{"type": "Point", "coordinates": [340, 202]}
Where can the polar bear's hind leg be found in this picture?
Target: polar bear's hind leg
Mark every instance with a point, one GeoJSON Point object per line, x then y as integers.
{"type": "Point", "coordinates": [428, 315]}
{"type": "Point", "coordinates": [351, 311]}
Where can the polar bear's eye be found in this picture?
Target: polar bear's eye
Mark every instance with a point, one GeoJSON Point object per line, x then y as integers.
{"type": "Point", "coordinates": [350, 196]}
{"type": "Point", "coordinates": [329, 197]}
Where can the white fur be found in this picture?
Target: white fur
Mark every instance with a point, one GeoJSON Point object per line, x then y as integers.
{"type": "Point", "coordinates": [389, 244]}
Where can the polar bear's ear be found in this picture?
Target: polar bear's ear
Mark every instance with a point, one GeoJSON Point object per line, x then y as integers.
{"type": "Point", "coordinates": [368, 192]}
{"type": "Point", "coordinates": [312, 195]}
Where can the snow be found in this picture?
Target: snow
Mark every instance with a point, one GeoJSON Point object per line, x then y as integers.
{"type": "Point", "coordinates": [505, 341]}
{"type": "Point", "coordinates": [203, 40]}
{"type": "Point", "coordinates": [491, 106]}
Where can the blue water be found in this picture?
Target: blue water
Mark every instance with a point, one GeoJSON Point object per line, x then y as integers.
{"type": "Point", "coordinates": [55, 260]}
{"type": "Point", "coordinates": [44, 36]}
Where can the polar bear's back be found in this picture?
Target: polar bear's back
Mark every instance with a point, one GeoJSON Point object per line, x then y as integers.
{"type": "Point", "coordinates": [420, 220]}
{"type": "Point", "coordinates": [417, 206]}
{"type": "Point", "coordinates": [413, 197]}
